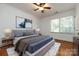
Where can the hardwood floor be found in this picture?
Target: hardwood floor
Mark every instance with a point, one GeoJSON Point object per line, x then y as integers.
{"type": "Point", "coordinates": [66, 49]}
{"type": "Point", "coordinates": [3, 51]}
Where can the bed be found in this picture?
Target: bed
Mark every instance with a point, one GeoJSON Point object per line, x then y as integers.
{"type": "Point", "coordinates": [33, 45]}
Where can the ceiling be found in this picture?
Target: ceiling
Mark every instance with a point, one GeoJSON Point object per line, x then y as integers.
{"type": "Point", "coordinates": [55, 8]}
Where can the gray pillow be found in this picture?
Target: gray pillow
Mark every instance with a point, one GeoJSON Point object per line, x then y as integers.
{"type": "Point", "coordinates": [28, 32]}
{"type": "Point", "coordinates": [17, 33]}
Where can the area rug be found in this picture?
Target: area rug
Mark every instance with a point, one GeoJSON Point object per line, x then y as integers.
{"type": "Point", "coordinates": [52, 51]}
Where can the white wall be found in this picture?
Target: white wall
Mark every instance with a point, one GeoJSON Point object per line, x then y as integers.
{"type": "Point", "coordinates": [7, 17]}
{"type": "Point", "coordinates": [45, 26]}
{"type": "Point", "coordinates": [77, 19]}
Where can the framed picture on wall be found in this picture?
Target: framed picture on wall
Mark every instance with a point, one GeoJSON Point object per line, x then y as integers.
{"type": "Point", "coordinates": [23, 22]}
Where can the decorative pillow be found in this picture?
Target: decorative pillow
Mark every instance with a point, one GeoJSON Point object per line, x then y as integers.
{"type": "Point", "coordinates": [28, 32]}
{"type": "Point", "coordinates": [20, 33]}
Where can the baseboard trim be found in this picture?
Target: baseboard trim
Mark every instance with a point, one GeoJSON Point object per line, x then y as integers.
{"type": "Point", "coordinates": [63, 40]}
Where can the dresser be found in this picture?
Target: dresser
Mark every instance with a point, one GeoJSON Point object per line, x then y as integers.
{"type": "Point", "coordinates": [76, 45]}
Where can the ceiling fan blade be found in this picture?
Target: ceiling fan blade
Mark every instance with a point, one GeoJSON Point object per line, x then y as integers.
{"type": "Point", "coordinates": [36, 4]}
{"type": "Point", "coordinates": [36, 9]}
{"type": "Point", "coordinates": [47, 7]}
{"type": "Point", "coordinates": [42, 4]}
{"type": "Point", "coordinates": [42, 11]}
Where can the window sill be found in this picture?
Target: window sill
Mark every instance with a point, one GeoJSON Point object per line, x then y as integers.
{"type": "Point", "coordinates": [61, 32]}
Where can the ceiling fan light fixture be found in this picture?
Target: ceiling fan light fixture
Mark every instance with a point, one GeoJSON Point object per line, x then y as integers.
{"type": "Point", "coordinates": [41, 8]}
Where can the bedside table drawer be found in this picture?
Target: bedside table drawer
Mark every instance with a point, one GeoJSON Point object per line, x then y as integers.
{"type": "Point", "coordinates": [7, 42]}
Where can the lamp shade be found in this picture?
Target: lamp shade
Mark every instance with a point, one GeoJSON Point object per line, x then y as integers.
{"type": "Point", "coordinates": [7, 30]}
{"type": "Point", "coordinates": [38, 29]}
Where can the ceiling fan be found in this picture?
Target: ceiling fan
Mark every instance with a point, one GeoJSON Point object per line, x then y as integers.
{"type": "Point", "coordinates": [41, 6]}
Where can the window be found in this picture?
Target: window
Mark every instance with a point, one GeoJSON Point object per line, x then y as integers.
{"type": "Point", "coordinates": [65, 24]}
{"type": "Point", "coordinates": [55, 25]}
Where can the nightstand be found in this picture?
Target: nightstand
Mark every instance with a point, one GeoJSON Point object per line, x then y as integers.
{"type": "Point", "coordinates": [7, 42]}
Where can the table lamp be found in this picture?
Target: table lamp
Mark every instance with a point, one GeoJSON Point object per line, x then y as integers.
{"type": "Point", "coordinates": [7, 33]}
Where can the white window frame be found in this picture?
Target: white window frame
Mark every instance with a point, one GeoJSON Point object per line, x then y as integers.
{"type": "Point", "coordinates": [59, 26]}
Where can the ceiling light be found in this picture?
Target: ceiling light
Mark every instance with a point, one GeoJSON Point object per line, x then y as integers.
{"type": "Point", "coordinates": [41, 8]}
